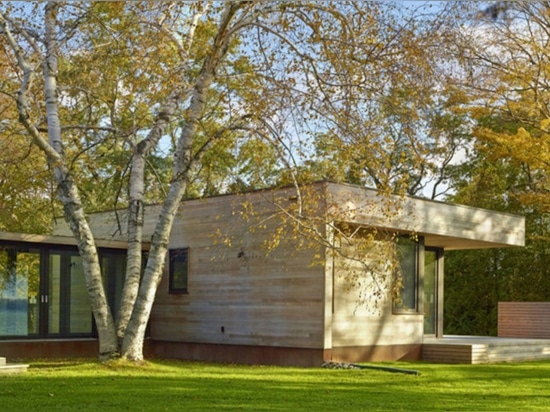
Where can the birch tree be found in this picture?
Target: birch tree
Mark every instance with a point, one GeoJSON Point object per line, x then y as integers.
{"type": "Point", "coordinates": [41, 57]}
{"type": "Point", "coordinates": [208, 78]}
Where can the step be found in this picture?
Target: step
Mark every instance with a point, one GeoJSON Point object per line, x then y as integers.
{"type": "Point", "coordinates": [477, 350]}
{"type": "Point", "coordinates": [13, 368]}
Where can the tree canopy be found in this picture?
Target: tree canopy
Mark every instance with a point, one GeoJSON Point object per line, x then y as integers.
{"type": "Point", "coordinates": [118, 104]}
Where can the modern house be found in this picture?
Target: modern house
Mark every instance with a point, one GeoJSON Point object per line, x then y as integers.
{"type": "Point", "coordinates": [331, 272]}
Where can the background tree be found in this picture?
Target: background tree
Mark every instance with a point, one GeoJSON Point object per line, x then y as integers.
{"type": "Point", "coordinates": [503, 79]}
{"type": "Point", "coordinates": [25, 184]}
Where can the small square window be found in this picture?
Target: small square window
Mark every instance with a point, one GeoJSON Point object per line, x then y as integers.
{"type": "Point", "coordinates": [178, 270]}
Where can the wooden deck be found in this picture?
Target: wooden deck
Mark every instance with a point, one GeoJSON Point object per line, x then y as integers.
{"type": "Point", "coordinates": [484, 349]}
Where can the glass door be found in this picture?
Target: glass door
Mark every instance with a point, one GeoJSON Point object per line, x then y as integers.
{"type": "Point", "coordinates": [43, 290]}
{"type": "Point", "coordinates": [19, 291]}
{"type": "Point", "coordinates": [68, 307]}
{"type": "Point", "coordinates": [430, 291]}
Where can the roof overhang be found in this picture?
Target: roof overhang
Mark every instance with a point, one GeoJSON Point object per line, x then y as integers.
{"type": "Point", "coordinates": [58, 240]}
{"type": "Point", "coordinates": [444, 225]}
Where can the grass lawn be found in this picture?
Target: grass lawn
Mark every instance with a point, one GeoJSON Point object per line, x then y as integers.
{"type": "Point", "coordinates": [85, 385]}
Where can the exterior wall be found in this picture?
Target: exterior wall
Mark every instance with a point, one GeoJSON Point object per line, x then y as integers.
{"type": "Point", "coordinates": [364, 327]}
{"type": "Point", "coordinates": [243, 288]}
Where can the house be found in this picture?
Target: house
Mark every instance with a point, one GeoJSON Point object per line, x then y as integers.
{"type": "Point", "coordinates": [330, 272]}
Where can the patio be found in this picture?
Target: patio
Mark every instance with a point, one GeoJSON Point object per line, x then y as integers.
{"type": "Point", "coordinates": [484, 349]}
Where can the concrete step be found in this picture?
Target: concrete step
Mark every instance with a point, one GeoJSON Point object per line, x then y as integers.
{"type": "Point", "coordinates": [11, 367]}
{"type": "Point", "coordinates": [485, 350]}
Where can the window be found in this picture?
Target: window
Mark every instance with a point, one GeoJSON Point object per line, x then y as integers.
{"type": "Point", "coordinates": [406, 287]}
{"type": "Point", "coordinates": [43, 291]}
{"type": "Point", "coordinates": [178, 270]}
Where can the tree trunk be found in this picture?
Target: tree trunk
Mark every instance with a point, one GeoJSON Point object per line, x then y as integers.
{"type": "Point", "coordinates": [70, 198]}
{"type": "Point", "coordinates": [132, 346]}
{"type": "Point", "coordinates": [135, 212]}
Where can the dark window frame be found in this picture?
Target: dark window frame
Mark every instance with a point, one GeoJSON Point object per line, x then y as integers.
{"type": "Point", "coordinates": [44, 299]}
{"type": "Point", "coordinates": [176, 258]}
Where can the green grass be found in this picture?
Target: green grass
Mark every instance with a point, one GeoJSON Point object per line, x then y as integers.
{"type": "Point", "coordinates": [84, 385]}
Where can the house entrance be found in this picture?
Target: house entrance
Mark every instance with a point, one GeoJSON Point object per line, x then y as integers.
{"type": "Point", "coordinates": [43, 291]}
{"type": "Point", "coordinates": [19, 291]}
{"type": "Point", "coordinates": [431, 280]}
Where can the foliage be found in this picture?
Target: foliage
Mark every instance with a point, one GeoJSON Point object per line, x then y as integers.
{"type": "Point", "coordinates": [378, 118]}
{"type": "Point", "coordinates": [475, 281]}
{"type": "Point", "coordinates": [504, 80]}
{"type": "Point", "coordinates": [25, 184]}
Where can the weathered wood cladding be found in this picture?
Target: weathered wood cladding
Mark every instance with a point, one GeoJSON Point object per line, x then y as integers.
{"type": "Point", "coordinates": [243, 288]}
{"type": "Point", "coordinates": [362, 306]}
{"type": "Point", "coordinates": [449, 226]}
{"type": "Point", "coordinates": [249, 282]}
{"type": "Point", "coordinates": [524, 320]}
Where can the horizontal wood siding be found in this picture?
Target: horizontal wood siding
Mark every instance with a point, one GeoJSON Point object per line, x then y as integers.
{"type": "Point", "coordinates": [244, 288]}
{"type": "Point", "coordinates": [475, 350]}
{"type": "Point", "coordinates": [524, 319]}
{"type": "Point", "coordinates": [362, 308]}
{"type": "Point", "coordinates": [442, 224]}
{"type": "Point", "coordinates": [447, 353]}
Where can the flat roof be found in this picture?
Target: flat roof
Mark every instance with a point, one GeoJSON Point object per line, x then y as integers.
{"type": "Point", "coordinates": [446, 225]}
{"type": "Point", "coordinates": [58, 240]}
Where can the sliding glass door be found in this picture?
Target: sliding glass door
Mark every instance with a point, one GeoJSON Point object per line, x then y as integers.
{"type": "Point", "coordinates": [43, 290]}
{"type": "Point", "coordinates": [431, 291]}
{"type": "Point", "coordinates": [67, 297]}
{"type": "Point", "coordinates": [19, 291]}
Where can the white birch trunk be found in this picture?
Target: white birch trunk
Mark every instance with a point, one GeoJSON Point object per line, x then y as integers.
{"type": "Point", "coordinates": [70, 198]}
{"type": "Point", "coordinates": [135, 215]}
{"type": "Point", "coordinates": [136, 188]}
{"type": "Point", "coordinates": [132, 346]}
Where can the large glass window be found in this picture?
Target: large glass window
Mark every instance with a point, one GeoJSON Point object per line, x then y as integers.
{"type": "Point", "coordinates": [43, 290]}
{"type": "Point", "coordinates": [19, 291]}
{"type": "Point", "coordinates": [69, 310]}
{"type": "Point", "coordinates": [113, 269]}
{"type": "Point", "coordinates": [406, 276]}
{"type": "Point", "coordinates": [178, 270]}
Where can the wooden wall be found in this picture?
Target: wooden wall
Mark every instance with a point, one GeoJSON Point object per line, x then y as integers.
{"type": "Point", "coordinates": [362, 306]}
{"type": "Point", "coordinates": [243, 288]}
{"type": "Point", "coordinates": [524, 320]}
{"type": "Point", "coordinates": [444, 225]}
